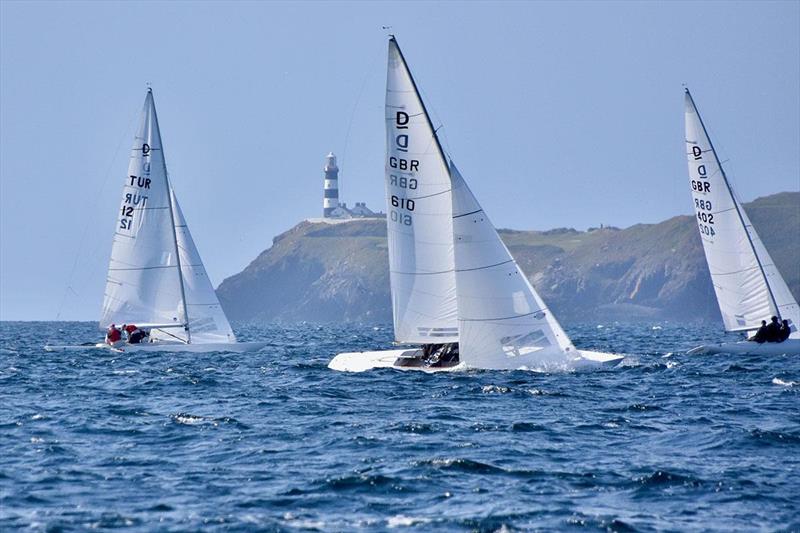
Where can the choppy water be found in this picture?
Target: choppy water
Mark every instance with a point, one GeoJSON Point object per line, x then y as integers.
{"type": "Point", "coordinates": [276, 441]}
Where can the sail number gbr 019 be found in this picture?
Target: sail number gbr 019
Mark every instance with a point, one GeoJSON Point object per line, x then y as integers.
{"type": "Point", "coordinates": [705, 218]}
{"type": "Point", "coordinates": [401, 207]}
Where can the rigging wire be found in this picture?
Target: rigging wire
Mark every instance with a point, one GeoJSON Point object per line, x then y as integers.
{"type": "Point", "coordinates": [92, 210]}
{"type": "Point", "coordinates": [367, 77]}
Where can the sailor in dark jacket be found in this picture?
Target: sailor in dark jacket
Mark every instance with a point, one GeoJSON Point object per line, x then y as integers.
{"type": "Point", "coordinates": [761, 334]}
{"type": "Point", "coordinates": [785, 331]}
{"type": "Point", "coordinates": [774, 330]}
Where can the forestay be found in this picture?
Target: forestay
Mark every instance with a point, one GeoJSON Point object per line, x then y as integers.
{"type": "Point", "coordinates": [747, 284]}
{"type": "Point", "coordinates": [503, 322]}
{"type": "Point", "coordinates": [143, 283]}
{"type": "Point", "coordinates": [419, 215]}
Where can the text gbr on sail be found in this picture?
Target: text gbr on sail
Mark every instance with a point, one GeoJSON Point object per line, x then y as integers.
{"type": "Point", "coordinates": [704, 217]}
{"type": "Point", "coordinates": [401, 142]}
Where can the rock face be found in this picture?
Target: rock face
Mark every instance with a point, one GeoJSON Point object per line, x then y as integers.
{"type": "Point", "coordinates": [339, 272]}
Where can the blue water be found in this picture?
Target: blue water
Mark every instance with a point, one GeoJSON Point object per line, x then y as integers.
{"type": "Point", "coordinates": [276, 441]}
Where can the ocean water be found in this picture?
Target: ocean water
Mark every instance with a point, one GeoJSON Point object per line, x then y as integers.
{"type": "Point", "coordinates": [275, 441]}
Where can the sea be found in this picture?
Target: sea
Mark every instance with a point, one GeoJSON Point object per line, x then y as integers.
{"type": "Point", "coordinates": [275, 441]}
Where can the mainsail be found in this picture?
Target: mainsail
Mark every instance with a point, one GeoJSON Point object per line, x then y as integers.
{"type": "Point", "coordinates": [419, 215]}
{"type": "Point", "coordinates": [155, 276]}
{"type": "Point", "coordinates": [503, 323]}
{"type": "Point", "coordinates": [747, 283]}
{"type": "Point", "coordinates": [143, 284]}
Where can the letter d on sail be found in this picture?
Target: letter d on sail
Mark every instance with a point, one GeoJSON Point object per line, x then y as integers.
{"type": "Point", "coordinates": [401, 121]}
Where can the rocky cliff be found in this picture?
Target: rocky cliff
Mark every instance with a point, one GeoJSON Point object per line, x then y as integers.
{"type": "Point", "coordinates": [339, 272]}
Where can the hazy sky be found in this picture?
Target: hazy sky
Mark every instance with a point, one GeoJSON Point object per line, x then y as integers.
{"type": "Point", "coordinates": [558, 114]}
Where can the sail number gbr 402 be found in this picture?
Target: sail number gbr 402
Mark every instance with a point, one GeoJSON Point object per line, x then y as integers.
{"type": "Point", "coordinates": [702, 185]}
{"type": "Point", "coordinates": [400, 167]}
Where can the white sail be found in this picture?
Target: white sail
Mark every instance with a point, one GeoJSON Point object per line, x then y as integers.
{"type": "Point", "coordinates": [143, 283]}
{"type": "Point", "coordinates": [747, 284]}
{"type": "Point", "coordinates": [207, 321]}
{"type": "Point", "coordinates": [503, 323]}
{"type": "Point", "coordinates": [419, 215]}
{"type": "Point", "coordinates": [156, 278]}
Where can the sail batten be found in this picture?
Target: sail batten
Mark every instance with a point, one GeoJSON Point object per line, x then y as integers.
{"type": "Point", "coordinates": [747, 284]}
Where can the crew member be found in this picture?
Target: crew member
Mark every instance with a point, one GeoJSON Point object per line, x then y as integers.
{"type": "Point", "coordinates": [785, 331]}
{"type": "Point", "coordinates": [113, 335]}
{"type": "Point", "coordinates": [761, 334]}
{"type": "Point", "coordinates": [135, 335]}
{"type": "Point", "coordinates": [774, 330]}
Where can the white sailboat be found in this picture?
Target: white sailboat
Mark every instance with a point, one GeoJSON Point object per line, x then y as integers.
{"type": "Point", "coordinates": [156, 279]}
{"type": "Point", "coordinates": [746, 281]}
{"type": "Point", "coordinates": [456, 289]}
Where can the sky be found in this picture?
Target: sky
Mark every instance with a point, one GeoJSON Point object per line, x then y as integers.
{"type": "Point", "coordinates": [558, 114]}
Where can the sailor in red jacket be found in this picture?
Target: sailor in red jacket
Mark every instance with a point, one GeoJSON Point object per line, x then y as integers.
{"type": "Point", "coordinates": [113, 335]}
{"type": "Point", "coordinates": [135, 335]}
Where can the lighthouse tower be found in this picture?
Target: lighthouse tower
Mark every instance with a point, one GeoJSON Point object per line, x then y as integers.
{"type": "Point", "coordinates": [330, 200]}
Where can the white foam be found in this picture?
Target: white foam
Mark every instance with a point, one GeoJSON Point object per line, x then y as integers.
{"type": "Point", "coordinates": [125, 372]}
{"type": "Point", "coordinates": [779, 381]}
{"type": "Point", "coordinates": [189, 420]}
{"type": "Point", "coordinates": [491, 389]}
{"type": "Point", "coordinates": [405, 521]}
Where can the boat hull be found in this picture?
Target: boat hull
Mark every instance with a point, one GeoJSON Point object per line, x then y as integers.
{"type": "Point", "coordinates": [235, 347]}
{"type": "Point", "coordinates": [787, 347]}
{"type": "Point", "coordinates": [363, 361]}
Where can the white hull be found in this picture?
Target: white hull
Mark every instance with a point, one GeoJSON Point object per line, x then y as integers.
{"type": "Point", "coordinates": [787, 347]}
{"type": "Point", "coordinates": [237, 347]}
{"type": "Point", "coordinates": [363, 361]}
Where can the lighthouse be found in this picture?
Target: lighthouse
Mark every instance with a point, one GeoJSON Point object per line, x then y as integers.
{"type": "Point", "coordinates": [330, 199]}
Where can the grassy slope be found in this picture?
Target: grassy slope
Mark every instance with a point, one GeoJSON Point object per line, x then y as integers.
{"type": "Point", "coordinates": [321, 272]}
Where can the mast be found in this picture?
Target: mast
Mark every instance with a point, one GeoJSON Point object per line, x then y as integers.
{"type": "Point", "coordinates": [736, 205]}
{"type": "Point", "coordinates": [174, 232]}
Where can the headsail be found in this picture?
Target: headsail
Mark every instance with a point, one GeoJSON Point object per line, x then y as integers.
{"type": "Point", "coordinates": [748, 286]}
{"type": "Point", "coordinates": [419, 215]}
{"type": "Point", "coordinates": [503, 323]}
{"type": "Point", "coordinates": [143, 284]}
{"type": "Point", "coordinates": [207, 321]}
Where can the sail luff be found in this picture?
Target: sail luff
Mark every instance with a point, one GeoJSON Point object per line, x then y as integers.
{"type": "Point", "coordinates": [747, 228]}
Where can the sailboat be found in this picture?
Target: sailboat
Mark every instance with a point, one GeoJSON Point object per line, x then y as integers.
{"type": "Point", "coordinates": [748, 285]}
{"type": "Point", "coordinates": [156, 278]}
{"type": "Point", "coordinates": [457, 293]}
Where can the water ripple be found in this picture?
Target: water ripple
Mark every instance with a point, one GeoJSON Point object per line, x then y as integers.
{"type": "Point", "coordinates": [275, 441]}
